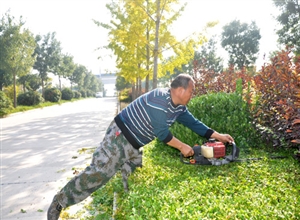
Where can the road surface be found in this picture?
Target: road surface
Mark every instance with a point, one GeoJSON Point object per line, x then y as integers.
{"type": "Point", "coordinates": [41, 148]}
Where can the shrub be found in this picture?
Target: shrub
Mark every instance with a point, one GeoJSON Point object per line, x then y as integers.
{"type": "Point", "coordinates": [9, 92]}
{"type": "Point", "coordinates": [83, 93]}
{"type": "Point", "coordinates": [52, 95]}
{"type": "Point", "coordinates": [274, 95]}
{"type": "Point", "coordinates": [5, 104]}
{"type": "Point", "coordinates": [208, 81]}
{"type": "Point", "coordinates": [77, 95]}
{"type": "Point", "coordinates": [278, 89]}
{"type": "Point", "coordinates": [67, 94]}
{"type": "Point", "coordinates": [125, 95]}
{"type": "Point", "coordinates": [223, 112]}
{"type": "Point", "coordinates": [90, 93]}
{"type": "Point", "coordinates": [30, 98]}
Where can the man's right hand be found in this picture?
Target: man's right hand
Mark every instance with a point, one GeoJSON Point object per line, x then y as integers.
{"type": "Point", "coordinates": [185, 149]}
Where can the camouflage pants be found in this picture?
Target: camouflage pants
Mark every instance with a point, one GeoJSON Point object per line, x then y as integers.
{"type": "Point", "coordinates": [113, 154]}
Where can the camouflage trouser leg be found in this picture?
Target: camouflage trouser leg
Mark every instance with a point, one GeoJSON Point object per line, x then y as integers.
{"type": "Point", "coordinates": [129, 167]}
{"type": "Point", "coordinates": [114, 153]}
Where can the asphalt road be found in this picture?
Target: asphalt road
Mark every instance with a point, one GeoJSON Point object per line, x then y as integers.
{"type": "Point", "coordinates": [40, 150]}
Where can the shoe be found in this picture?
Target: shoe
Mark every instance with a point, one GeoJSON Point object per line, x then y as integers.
{"type": "Point", "coordinates": [54, 210]}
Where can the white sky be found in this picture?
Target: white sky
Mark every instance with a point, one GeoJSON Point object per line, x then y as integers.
{"type": "Point", "coordinates": [79, 36]}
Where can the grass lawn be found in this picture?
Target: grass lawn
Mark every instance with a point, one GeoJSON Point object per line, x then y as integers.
{"type": "Point", "coordinates": [165, 188]}
{"type": "Point", "coordinates": [23, 108]}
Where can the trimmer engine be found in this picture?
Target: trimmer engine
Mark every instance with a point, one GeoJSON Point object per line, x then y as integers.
{"type": "Point", "coordinates": [213, 149]}
{"type": "Point", "coordinates": [211, 153]}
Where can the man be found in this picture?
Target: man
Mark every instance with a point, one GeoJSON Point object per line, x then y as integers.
{"type": "Point", "coordinates": [143, 120]}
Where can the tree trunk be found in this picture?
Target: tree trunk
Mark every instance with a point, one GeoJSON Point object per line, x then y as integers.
{"type": "Point", "coordinates": [59, 80]}
{"type": "Point", "coordinates": [148, 53]}
{"type": "Point", "coordinates": [43, 88]}
{"type": "Point", "coordinates": [147, 84]}
{"type": "Point", "coordinates": [15, 91]}
{"type": "Point", "coordinates": [140, 87]}
{"type": "Point", "coordinates": [133, 91]}
{"type": "Point", "coordinates": [155, 63]}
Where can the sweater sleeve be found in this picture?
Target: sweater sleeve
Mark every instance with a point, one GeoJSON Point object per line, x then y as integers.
{"type": "Point", "coordinates": [187, 119]}
{"type": "Point", "coordinates": [160, 127]}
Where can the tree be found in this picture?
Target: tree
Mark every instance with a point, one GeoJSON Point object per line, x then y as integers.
{"type": "Point", "coordinates": [31, 82]}
{"type": "Point", "coordinates": [121, 83]}
{"type": "Point", "coordinates": [128, 41]}
{"type": "Point", "coordinates": [289, 19]}
{"type": "Point", "coordinates": [64, 66]}
{"type": "Point", "coordinates": [17, 49]}
{"type": "Point", "coordinates": [206, 57]}
{"type": "Point", "coordinates": [161, 15]}
{"type": "Point", "coordinates": [95, 84]}
{"type": "Point", "coordinates": [241, 41]}
{"type": "Point", "coordinates": [78, 75]}
{"type": "Point", "coordinates": [91, 82]}
{"type": "Point", "coordinates": [47, 53]}
{"type": "Point", "coordinates": [5, 78]}
{"type": "Point", "coordinates": [87, 80]}
{"type": "Point", "coordinates": [140, 35]}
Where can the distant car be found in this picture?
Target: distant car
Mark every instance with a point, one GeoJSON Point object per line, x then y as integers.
{"type": "Point", "coordinates": [99, 95]}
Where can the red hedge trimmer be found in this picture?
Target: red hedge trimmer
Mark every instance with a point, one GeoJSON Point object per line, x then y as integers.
{"type": "Point", "coordinates": [214, 153]}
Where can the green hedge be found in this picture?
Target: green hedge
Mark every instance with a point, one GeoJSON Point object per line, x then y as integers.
{"type": "Point", "coordinates": [90, 93]}
{"type": "Point", "coordinates": [5, 104]}
{"type": "Point", "coordinates": [29, 98]}
{"type": "Point", "coordinates": [52, 95]}
{"type": "Point", "coordinates": [223, 112]}
{"type": "Point", "coordinates": [67, 94]}
{"type": "Point", "coordinates": [77, 95]}
{"type": "Point", "coordinates": [83, 93]}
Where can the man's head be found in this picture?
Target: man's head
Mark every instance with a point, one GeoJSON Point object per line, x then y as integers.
{"type": "Point", "coordinates": [182, 88]}
{"type": "Point", "coordinates": [182, 80]}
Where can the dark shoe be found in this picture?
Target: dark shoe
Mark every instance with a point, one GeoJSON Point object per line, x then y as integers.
{"type": "Point", "coordinates": [54, 210]}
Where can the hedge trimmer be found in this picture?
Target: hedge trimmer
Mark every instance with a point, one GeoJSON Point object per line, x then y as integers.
{"type": "Point", "coordinates": [214, 153]}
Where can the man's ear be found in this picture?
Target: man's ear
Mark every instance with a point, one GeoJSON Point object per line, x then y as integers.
{"type": "Point", "coordinates": [181, 90]}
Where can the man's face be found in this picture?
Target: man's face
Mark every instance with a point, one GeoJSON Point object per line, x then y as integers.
{"type": "Point", "coordinates": [187, 93]}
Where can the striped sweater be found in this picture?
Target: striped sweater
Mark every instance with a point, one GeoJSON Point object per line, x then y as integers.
{"type": "Point", "coordinates": [151, 115]}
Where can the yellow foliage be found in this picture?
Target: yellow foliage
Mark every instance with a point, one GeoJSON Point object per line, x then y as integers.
{"type": "Point", "coordinates": [9, 91]}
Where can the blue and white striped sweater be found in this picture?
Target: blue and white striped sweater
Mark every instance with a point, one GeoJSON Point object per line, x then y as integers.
{"type": "Point", "coordinates": [152, 114]}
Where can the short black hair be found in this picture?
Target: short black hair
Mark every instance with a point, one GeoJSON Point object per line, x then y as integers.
{"type": "Point", "coordinates": [182, 80]}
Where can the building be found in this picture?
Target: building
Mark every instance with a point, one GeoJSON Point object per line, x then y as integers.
{"type": "Point", "coordinates": [109, 83]}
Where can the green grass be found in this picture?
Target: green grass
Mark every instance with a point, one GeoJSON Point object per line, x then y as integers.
{"type": "Point", "coordinates": [167, 189]}
{"type": "Point", "coordinates": [22, 108]}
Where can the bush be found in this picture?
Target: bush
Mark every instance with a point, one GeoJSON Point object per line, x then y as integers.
{"type": "Point", "coordinates": [278, 89]}
{"type": "Point", "coordinates": [9, 92]}
{"type": "Point", "coordinates": [77, 95]}
{"type": "Point", "coordinates": [30, 98]}
{"type": "Point", "coordinates": [90, 93]}
{"type": "Point", "coordinates": [83, 93]}
{"type": "Point", "coordinates": [223, 112]}
{"type": "Point", "coordinates": [67, 94]}
{"type": "Point", "coordinates": [125, 96]}
{"type": "Point", "coordinates": [5, 104]}
{"type": "Point", "coordinates": [52, 95]}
